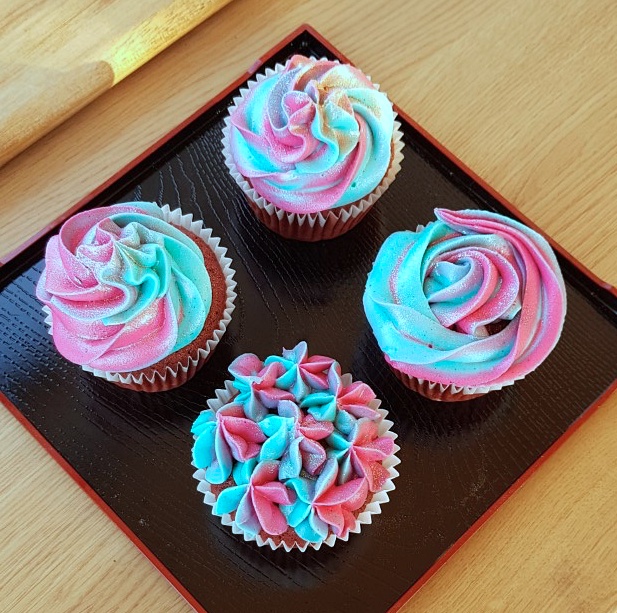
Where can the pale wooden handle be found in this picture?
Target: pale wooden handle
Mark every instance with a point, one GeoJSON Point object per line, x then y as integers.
{"type": "Point", "coordinates": [62, 57]}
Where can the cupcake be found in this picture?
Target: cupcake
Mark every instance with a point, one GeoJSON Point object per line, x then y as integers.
{"type": "Point", "coordinates": [136, 294]}
{"type": "Point", "coordinates": [313, 145]}
{"type": "Point", "coordinates": [466, 305]}
{"type": "Point", "coordinates": [293, 454]}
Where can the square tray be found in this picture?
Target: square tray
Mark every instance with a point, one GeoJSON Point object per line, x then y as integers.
{"type": "Point", "coordinates": [131, 452]}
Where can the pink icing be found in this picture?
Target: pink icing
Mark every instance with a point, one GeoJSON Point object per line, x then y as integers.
{"type": "Point", "coordinates": [367, 452]}
{"type": "Point", "coordinates": [309, 427]}
{"type": "Point", "coordinates": [336, 504]}
{"type": "Point", "coordinates": [243, 436]}
{"type": "Point", "coordinates": [96, 271]}
{"type": "Point", "coordinates": [264, 386]}
{"type": "Point", "coordinates": [355, 399]}
{"type": "Point", "coordinates": [265, 492]}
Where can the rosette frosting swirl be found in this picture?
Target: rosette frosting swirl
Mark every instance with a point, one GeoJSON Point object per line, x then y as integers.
{"type": "Point", "coordinates": [125, 288]}
{"type": "Point", "coordinates": [473, 299]}
{"type": "Point", "coordinates": [313, 137]}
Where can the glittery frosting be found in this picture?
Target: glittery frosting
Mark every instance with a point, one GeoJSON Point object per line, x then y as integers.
{"type": "Point", "coordinates": [314, 136]}
{"type": "Point", "coordinates": [125, 288]}
{"type": "Point", "coordinates": [473, 299]}
{"type": "Point", "coordinates": [297, 446]}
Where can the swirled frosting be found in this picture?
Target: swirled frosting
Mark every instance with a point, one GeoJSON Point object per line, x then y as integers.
{"type": "Point", "coordinates": [125, 288]}
{"type": "Point", "coordinates": [473, 299]}
{"type": "Point", "coordinates": [313, 137]}
{"type": "Point", "coordinates": [301, 443]}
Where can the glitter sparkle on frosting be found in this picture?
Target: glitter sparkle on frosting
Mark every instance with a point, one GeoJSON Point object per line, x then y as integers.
{"type": "Point", "coordinates": [313, 137]}
{"type": "Point", "coordinates": [292, 468]}
{"type": "Point", "coordinates": [433, 295]}
{"type": "Point", "coordinates": [124, 287]}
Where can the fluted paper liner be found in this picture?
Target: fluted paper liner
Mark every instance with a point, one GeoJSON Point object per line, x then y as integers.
{"type": "Point", "coordinates": [373, 507]}
{"type": "Point", "coordinates": [444, 392]}
{"type": "Point", "coordinates": [310, 227]}
{"type": "Point", "coordinates": [173, 377]}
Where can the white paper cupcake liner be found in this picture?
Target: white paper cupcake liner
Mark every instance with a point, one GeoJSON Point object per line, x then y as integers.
{"type": "Point", "coordinates": [443, 392]}
{"type": "Point", "coordinates": [322, 225]}
{"type": "Point", "coordinates": [373, 507]}
{"type": "Point", "coordinates": [174, 376]}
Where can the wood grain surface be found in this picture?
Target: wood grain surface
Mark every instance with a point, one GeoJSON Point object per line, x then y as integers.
{"type": "Point", "coordinates": [524, 93]}
{"type": "Point", "coordinates": [55, 57]}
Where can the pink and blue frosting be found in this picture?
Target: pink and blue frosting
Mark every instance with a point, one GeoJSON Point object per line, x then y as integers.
{"type": "Point", "coordinates": [312, 137]}
{"type": "Point", "coordinates": [296, 447]}
{"type": "Point", "coordinates": [473, 299]}
{"type": "Point", "coordinates": [321, 505]}
{"type": "Point", "coordinates": [124, 287]}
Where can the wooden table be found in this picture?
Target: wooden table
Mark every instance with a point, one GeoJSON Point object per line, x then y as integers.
{"type": "Point", "coordinates": [524, 93]}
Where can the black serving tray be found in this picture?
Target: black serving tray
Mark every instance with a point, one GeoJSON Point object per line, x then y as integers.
{"type": "Point", "coordinates": [131, 451]}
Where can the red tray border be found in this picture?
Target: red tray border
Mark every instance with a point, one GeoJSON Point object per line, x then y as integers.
{"type": "Point", "coordinates": [157, 144]}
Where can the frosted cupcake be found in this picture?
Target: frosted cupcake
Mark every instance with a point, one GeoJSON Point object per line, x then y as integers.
{"type": "Point", "coordinates": [313, 145]}
{"type": "Point", "coordinates": [292, 454]}
{"type": "Point", "coordinates": [136, 294]}
{"type": "Point", "coordinates": [466, 305]}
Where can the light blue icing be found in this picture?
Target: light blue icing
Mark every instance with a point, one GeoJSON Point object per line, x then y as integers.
{"type": "Point", "coordinates": [340, 446]}
{"type": "Point", "coordinates": [321, 405]}
{"type": "Point", "coordinates": [229, 499]}
{"type": "Point", "coordinates": [291, 462]}
{"type": "Point", "coordinates": [155, 259]}
{"type": "Point", "coordinates": [344, 422]}
{"type": "Point", "coordinates": [291, 379]}
{"type": "Point", "coordinates": [280, 431]}
{"type": "Point", "coordinates": [249, 398]}
{"type": "Point", "coordinates": [210, 450]}
{"type": "Point", "coordinates": [302, 514]}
